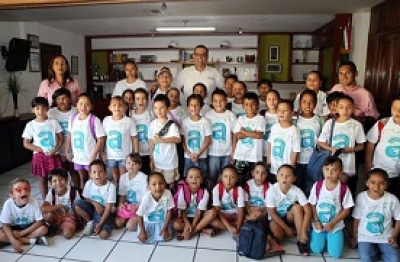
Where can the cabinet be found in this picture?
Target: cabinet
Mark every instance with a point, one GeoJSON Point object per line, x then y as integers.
{"type": "Point", "coordinates": [305, 57]}
{"type": "Point", "coordinates": [107, 55]}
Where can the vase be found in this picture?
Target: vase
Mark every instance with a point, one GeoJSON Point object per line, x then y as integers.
{"type": "Point", "coordinates": [15, 102]}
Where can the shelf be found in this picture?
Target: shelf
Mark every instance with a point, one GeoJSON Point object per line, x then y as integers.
{"type": "Point", "coordinates": [305, 48]}
{"type": "Point", "coordinates": [148, 63]}
{"type": "Point", "coordinates": [237, 63]}
{"type": "Point", "coordinates": [139, 49]}
{"type": "Point", "coordinates": [305, 63]}
{"type": "Point", "coordinates": [225, 48]}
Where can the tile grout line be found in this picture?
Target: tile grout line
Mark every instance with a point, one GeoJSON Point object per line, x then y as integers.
{"type": "Point", "coordinates": [195, 247]}
{"type": "Point", "coordinates": [152, 253]}
{"type": "Point", "coordinates": [66, 253]}
{"type": "Point", "coordinates": [112, 249]}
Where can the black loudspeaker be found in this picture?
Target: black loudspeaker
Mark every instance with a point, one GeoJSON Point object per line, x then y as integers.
{"type": "Point", "coordinates": [18, 54]}
{"type": "Point", "coordinates": [97, 91]}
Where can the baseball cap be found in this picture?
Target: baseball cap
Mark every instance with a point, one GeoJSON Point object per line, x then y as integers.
{"type": "Point", "coordinates": [162, 70]}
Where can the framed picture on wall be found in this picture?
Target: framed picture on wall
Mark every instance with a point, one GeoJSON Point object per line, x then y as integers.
{"type": "Point", "coordinates": [273, 68]}
{"type": "Point", "coordinates": [34, 41]}
{"type": "Point", "coordinates": [34, 62]}
{"type": "Point", "coordinates": [74, 65]}
{"type": "Point", "coordinates": [274, 53]}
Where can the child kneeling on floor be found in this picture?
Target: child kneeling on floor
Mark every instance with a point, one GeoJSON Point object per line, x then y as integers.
{"type": "Point", "coordinates": [22, 218]}
{"type": "Point", "coordinates": [99, 198]}
{"type": "Point", "coordinates": [155, 211]}
{"type": "Point", "coordinates": [192, 203]}
{"type": "Point", "coordinates": [57, 208]}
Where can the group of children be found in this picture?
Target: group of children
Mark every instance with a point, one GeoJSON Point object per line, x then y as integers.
{"type": "Point", "coordinates": [254, 162]}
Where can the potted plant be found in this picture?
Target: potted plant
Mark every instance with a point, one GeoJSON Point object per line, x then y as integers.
{"type": "Point", "coordinates": [11, 83]}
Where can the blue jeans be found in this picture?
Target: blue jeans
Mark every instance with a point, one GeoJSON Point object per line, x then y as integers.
{"type": "Point", "coordinates": [334, 242]}
{"type": "Point", "coordinates": [368, 253]}
{"type": "Point", "coordinates": [96, 217]}
{"type": "Point", "coordinates": [215, 164]}
{"type": "Point", "coordinates": [201, 163]}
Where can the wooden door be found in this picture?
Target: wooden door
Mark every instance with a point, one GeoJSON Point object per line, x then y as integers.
{"type": "Point", "coordinates": [47, 52]}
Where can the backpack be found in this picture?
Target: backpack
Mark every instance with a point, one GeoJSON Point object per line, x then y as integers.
{"type": "Point", "coordinates": [187, 195]}
{"type": "Point", "coordinates": [343, 190]}
{"type": "Point", "coordinates": [381, 125]}
{"type": "Point", "coordinates": [265, 188]}
{"type": "Point", "coordinates": [92, 118]}
{"type": "Point", "coordinates": [72, 195]}
{"type": "Point", "coordinates": [253, 238]}
{"type": "Point", "coordinates": [221, 192]}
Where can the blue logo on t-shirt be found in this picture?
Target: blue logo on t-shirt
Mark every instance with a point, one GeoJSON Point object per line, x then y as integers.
{"type": "Point", "coordinates": [64, 127]}
{"type": "Point", "coordinates": [114, 140]}
{"type": "Point", "coordinates": [219, 132]}
{"type": "Point", "coordinates": [46, 140]}
{"type": "Point", "coordinates": [78, 141]}
{"type": "Point", "coordinates": [267, 130]}
{"type": "Point", "coordinates": [307, 138]}
{"type": "Point", "coordinates": [326, 212]}
{"type": "Point", "coordinates": [248, 141]}
{"type": "Point", "coordinates": [283, 209]}
{"type": "Point", "coordinates": [393, 149]}
{"type": "Point", "coordinates": [157, 215]}
{"type": "Point", "coordinates": [194, 139]}
{"type": "Point", "coordinates": [278, 148]}
{"type": "Point", "coordinates": [131, 197]}
{"type": "Point", "coordinates": [341, 141]}
{"type": "Point", "coordinates": [142, 133]}
{"type": "Point", "coordinates": [375, 223]}
{"type": "Point", "coordinates": [256, 201]}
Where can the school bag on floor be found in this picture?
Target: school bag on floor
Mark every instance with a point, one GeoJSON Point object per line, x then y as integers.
{"type": "Point", "coordinates": [253, 238]}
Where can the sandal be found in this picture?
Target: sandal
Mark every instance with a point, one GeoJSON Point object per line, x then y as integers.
{"type": "Point", "coordinates": [179, 236]}
{"type": "Point", "coordinates": [304, 249]}
{"type": "Point", "coordinates": [210, 231]}
{"type": "Point", "coordinates": [274, 251]}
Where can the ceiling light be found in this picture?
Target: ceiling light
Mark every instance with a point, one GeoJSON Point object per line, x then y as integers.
{"type": "Point", "coordinates": [185, 29]}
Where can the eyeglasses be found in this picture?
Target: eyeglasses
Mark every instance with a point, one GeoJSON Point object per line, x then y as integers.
{"type": "Point", "coordinates": [201, 55]}
{"type": "Point", "coordinates": [21, 189]}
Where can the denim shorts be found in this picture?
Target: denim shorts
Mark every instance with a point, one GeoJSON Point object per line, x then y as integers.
{"type": "Point", "coordinates": [111, 163]}
{"type": "Point", "coordinates": [96, 217]}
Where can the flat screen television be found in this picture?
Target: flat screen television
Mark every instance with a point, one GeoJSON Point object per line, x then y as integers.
{"type": "Point", "coordinates": [18, 54]}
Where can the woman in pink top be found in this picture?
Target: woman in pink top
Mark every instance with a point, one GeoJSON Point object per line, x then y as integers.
{"type": "Point", "coordinates": [59, 76]}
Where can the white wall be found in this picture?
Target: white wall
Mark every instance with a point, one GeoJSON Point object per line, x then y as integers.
{"type": "Point", "coordinates": [71, 44]}
{"type": "Point", "coordinates": [359, 45]}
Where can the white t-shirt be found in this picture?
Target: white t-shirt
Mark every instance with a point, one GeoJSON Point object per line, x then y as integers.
{"type": "Point", "coordinates": [189, 76]}
{"type": "Point", "coordinates": [142, 124]}
{"type": "Point", "coordinates": [21, 216]}
{"type": "Point", "coordinates": [345, 134]}
{"type": "Point", "coordinates": [238, 109]}
{"type": "Point", "coordinates": [222, 127]}
{"type": "Point", "coordinates": [65, 199]}
{"type": "Point", "coordinates": [376, 217]}
{"type": "Point", "coordinates": [227, 202]}
{"type": "Point", "coordinates": [261, 105]}
{"type": "Point", "coordinates": [153, 211]}
{"type": "Point", "coordinates": [63, 119]}
{"type": "Point", "coordinates": [309, 128]}
{"type": "Point", "coordinates": [256, 195]}
{"type": "Point", "coordinates": [321, 109]}
{"type": "Point", "coordinates": [179, 114]}
{"type": "Point", "coordinates": [194, 133]}
{"type": "Point", "coordinates": [134, 189]}
{"type": "Point", "coordinates": [283, 142]}
{"type": "Point", "coordinates": [387, 151]}
{"type": "Point", "coordinates": [192, 209]}
{"type": "Point", "coordinates": [119, 137]}
{"type": "Point", "coordinates": [101, 194]}
{"type": "Point", "coordinates": [206, 107]}
{"type": "Point", "coordinates": [270, 120]}
{"type": "Point", "coordinates": [44, 135]}
{"type": "Point", "coordinates": [82, 140]}
{"type": "Point", "coordinates": [122, 85]}
{"type": "Point", "coordinates": [164, 154]}
{"type": "Point", "coordinates": [249, 149]}
{"type": "Point", "coordinates": [328, 204]}
{"type": "Point", "coordinates": [282, 202]}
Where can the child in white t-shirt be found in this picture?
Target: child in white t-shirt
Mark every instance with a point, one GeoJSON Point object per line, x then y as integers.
{"type": "Point", "coordinates": [132, 188]}
{"type": "Point", "coordinates": [228, 201]}
{"type": "Point", "coordinates": [284, 140]}
{"type": "Point", "coordinates": [143, 117]}
{"type": "Point", "coordinates": [222, 123]}
{"type": "Point", "coordinates": [62, 110]}
{"type": "Point", "coordinates": [99, 198]}
{"type": "Point", "coordinates": [309, 126]}
{"type": "Point", "coordinates": [192, 204]}
{"type": "Point", "coordinates": [176, 112]}
{"type": "Point", "coordinates": [247, 143]}
{"type": "Point", "coordinates": [155, 211]}
{"type": "Point", "coordinates": [21, 217]}
{"type": "Point", "coordinates": [121, 137]}
{"type": "Point", "coordinates": [287, 205]}
{"type": "Point", "coordinates": [196, 132]}
{"type": "Point", "coordinates": [163, 137]}
{"type": "Point", "coordinates": [85, 136]}
{"type": "Point", "coordinates": [374, 212]}
{"type": "Point", "coordinates": [381, 149]}
{"type": "Point", "coordinates": [201, 89]}
{"type": "Point", "coordinates": [331, 203]}
{"type": "Point", "coordinates": [58, 206]}
{"type": "Point", "coordinates": [270, 115]}
{"type": "Point", "coordinates": [348, 137]}
{"type": "Point", "coordinates": [44, 137]}
{"type": "Point", "coordinates": [239, 88]}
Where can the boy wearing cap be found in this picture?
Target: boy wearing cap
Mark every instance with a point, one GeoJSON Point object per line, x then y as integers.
{"type": "Point", "coordinates": [164, 81]}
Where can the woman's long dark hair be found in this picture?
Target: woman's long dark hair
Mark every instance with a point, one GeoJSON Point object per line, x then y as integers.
{"type": "Point", "coordinates": [52, 75]}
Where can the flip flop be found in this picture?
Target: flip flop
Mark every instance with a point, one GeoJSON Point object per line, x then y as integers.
{"type": "Point", "coordinates": [274, 251]}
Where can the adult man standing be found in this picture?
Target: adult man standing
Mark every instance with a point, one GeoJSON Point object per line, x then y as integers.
{"type": "Point", "coordinates": [199, 72]}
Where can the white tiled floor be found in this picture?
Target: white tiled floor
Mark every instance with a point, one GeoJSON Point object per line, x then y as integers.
{"type": "Point", "coordinates": [124, 245]}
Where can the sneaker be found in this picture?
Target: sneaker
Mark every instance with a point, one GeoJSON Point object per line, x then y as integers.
{"type": "Point", "coordinates": [304, 249]}
{"type": "Point", "coordinates": [88, 230]}
{"type": "Point", "coordinates": [42, 241]}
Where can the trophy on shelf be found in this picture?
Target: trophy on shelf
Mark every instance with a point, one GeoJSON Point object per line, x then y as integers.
{"type": "Point", "coordinates": [95, 68]}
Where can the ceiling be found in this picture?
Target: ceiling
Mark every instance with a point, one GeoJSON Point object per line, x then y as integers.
{"type": "Point", "coordinates": [226, 15]}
